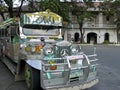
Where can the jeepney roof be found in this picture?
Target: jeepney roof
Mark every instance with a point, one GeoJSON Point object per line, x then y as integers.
{"type": "Point", "coordinates": [42, 18]}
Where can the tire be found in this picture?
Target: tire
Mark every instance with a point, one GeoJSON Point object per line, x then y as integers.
{"type": "Point", "coordinates": [32, 78]}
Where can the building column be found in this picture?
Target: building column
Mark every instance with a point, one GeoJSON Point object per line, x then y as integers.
{"type": "Point", "coordinates": [100, 20]}
{"type": "Point", "coordinates": [65, 35]}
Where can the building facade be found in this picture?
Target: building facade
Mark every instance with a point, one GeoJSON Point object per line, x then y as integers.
{"type": "Point", "coordinates": [101, 30]}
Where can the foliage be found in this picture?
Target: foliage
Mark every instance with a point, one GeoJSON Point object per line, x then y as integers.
{"type": "Point", "coordinates": [2, 9]}
{"type": "Point", "coordinates": [35, 5]}
{"type": "Point", "coordinates": [81, 13]}
{"type": "Point", "coordinates": [107, 8]}
{"type": "Point", "coordinates": [8, 6]}
{"type": "Point", "coordinates": [60, 8]}
{"type": "Point", "coordinates": [113, 9]}
{"type": "Point", "coordinates": [106, 42]}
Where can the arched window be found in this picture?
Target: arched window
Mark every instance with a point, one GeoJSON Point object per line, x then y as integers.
{"type": "Point", "coordinates": [106, 37]}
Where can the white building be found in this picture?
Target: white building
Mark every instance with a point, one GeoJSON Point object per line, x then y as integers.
{"type": "Point", "coordinates": [98, 31]}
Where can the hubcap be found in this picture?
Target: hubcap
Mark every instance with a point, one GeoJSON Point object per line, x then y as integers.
{"type": "Point", "coordinates": [28, 77]}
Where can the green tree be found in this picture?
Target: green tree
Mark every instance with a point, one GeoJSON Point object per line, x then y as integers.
{"type": "Point", "coordinates": [55, 6]}
{"type": "Point", "coordinates": [113, 9]}
{"type": "Point", "coordinates": [2, 9]}
{"type": "Point", "coordinates": [81, 12]}
{"type": "Point", "coordinates": [8, 6]}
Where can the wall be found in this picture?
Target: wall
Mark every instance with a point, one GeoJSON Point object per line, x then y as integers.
{"type": "Point", "coordinates": [99, 27]}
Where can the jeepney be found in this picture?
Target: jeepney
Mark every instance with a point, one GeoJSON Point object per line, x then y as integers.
{"type": "Point", "coordinates": [34, 51]}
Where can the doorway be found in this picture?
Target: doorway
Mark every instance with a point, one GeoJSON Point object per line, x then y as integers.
{"type": "Point", "coordinates": [76, 37]}
{"type": "Point", "coordinates": [92, 38]}
{"type": "Point", "coordinates": [106, 37]}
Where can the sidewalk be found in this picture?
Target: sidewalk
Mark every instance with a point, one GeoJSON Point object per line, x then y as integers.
{"type": "Point", "coordinates": [100, 44]}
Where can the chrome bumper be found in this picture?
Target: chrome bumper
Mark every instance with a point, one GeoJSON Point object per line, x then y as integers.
{"type": "Point", "coordinates": [79, 87]}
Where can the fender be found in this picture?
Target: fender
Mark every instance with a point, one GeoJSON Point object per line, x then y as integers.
{"type": "Point", "coordinates": [34, 63]}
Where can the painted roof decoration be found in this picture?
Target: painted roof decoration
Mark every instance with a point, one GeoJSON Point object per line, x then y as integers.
{"type": "Point", "coordinates": [42, 18]}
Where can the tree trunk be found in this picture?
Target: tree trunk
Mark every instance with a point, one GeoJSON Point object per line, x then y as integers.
{"type": "Point", "coordinates": [19, 12]}
{"type": "Point", "coordinates": [10, 10]}
{"type": "Point", "coordinates": [117, 31]}
{"type": "Point", "coordinates": [81, 32]}
{"type": "Point", "coordinates": [2, 15]}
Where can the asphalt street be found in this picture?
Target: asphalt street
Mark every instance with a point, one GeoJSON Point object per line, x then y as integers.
{"type": "Point", "coordinates": [109, 67]}
{"type": "Point", "coordinates": [108, 70]}
{"type": "Point", "coordinates": [7, 80]}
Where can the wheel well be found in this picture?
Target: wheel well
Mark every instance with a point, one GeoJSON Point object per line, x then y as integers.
{"type": "Point", "coordinates": [20, 72]}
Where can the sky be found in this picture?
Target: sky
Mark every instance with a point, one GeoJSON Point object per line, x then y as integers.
{"type": "Point", "coordinates": [17, 3]}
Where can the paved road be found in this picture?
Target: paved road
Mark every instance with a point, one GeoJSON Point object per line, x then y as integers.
{"type": "Point", "coordinates": [109, 68]}
{"type": "Point", "coordinates": [109, 73]}
{"type": "Point", "coordinates": [7, 80]}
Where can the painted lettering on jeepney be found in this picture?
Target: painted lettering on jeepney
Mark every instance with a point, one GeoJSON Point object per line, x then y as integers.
{"type": "Point", "coordinates": [44, 18]}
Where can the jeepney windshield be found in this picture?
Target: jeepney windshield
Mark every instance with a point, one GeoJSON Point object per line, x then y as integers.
{"type": "Point", "coordinates": [40, 30]}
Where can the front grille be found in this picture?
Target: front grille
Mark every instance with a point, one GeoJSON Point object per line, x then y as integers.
{"type": "Point", "coordinates": [74, 79]}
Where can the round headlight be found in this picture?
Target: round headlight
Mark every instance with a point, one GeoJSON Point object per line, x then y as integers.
{"type": "Point", "coordinates": [48, 51]}
{"type": "Point", "coordinates": [74, 50]}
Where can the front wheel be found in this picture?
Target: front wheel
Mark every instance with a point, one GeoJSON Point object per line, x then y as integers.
{"type": "Point", "coordinates": [32, 78]}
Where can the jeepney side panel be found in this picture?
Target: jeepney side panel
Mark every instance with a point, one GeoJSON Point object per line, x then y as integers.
{"type": "Point", "coordinates": [12, 44]}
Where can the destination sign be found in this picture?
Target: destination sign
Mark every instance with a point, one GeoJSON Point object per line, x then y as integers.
{"type": "Point", "coordinates": [42, 18]}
